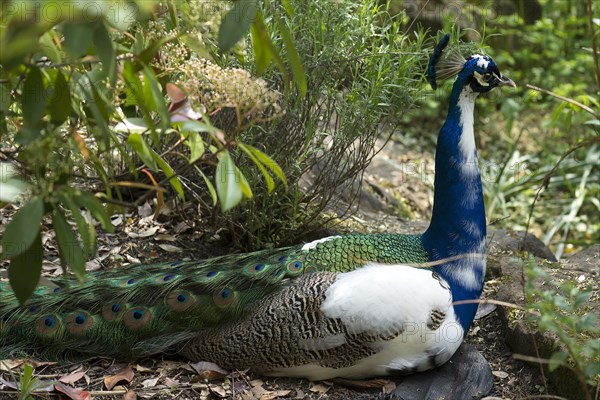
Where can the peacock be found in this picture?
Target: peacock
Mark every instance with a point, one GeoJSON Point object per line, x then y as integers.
{"type": "Point", "coordinates": [352, 306]}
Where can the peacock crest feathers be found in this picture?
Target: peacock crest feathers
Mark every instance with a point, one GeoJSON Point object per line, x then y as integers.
{"type": "Point", "coordinates": [447, 61]}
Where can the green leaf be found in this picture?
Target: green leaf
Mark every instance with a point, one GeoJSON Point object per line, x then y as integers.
{"type": "Point", "coordinates": [97, 107]}
{"type": "Point", "coordinates": [593, 370]}
{"type": "Point", "coordinates": [269, 163]}
{"type": "Point", "coordinates": [261, 44]}
{"type": "Point", "coordinates": [146, 55]}
{"type": "Point", "coordinates": [132, 125]}
{"type": "Point", "coordinates": [174, 181]}
{"type": "Point", "coordinates": [22, 230]}
{"type": "Point", "coordinates": [293, 56]}
{"type": "Point", "coordinates": [196, 145]}
{"type": "Point", "coordinates": [86, 229]}
{"type": "Point", "coordinates": [106, 51]}
{"type": "Point", "coordinates": [289, 9]}
{"type": "Point", "coordinates": [142, 149]}
{"type": "Point", "coordinates": [263, 170]}
{"type": "Point", "coordinates": [197, 126]}
{"type": "Point", "coordinates": [235, 24]}
{"type": "Point", "coordinates": [582, 298]}
{"type": "Point", "coordinates": [25, 269]}
{"type": "Point", "coordinates": [68, 245]}
{"type": "Point", "coordinates": [60, 103]}
{"type": "Point", "coordinates": [49, 47]}
{"type": "Point", "coordinates": [209, 186]}
{"type": "Point", "coordinates": [155, 97]}
{"type": "Point", "coordinates": [228, 183]}
{"type": "Point", "coordinates": [558, 359]}
{"type": "Point", "coordinates": [5, 99]}
{"type": "Point", "coordinates": [77, 38]}
{"type": "Point", "coordinates": [33, 98]}
{"type": "Point", "coordinates": [244, 185]}
{"type": "Point", "coordinates": [28, 134]}
{"type": "Point", "coordinates": [94, 206]}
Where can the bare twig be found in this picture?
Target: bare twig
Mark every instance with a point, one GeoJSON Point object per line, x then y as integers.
{"type": "Point", "coordinates": [491, 301]}
{"type": "Point", "coordinates": [566, 99]}
{"type": "Point", "coordinates": [593, 39]}
{"type": "Point", "coordinates": [549, 174]}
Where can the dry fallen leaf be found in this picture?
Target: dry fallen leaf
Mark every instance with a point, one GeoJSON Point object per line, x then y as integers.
{"type": "Point", "coordinates": [141, 368]}
{"type": "Point", "coordinates": [130, 395]}
{"type": "Point", "coordinates": [320, 388]}
{"type": "Point", "coordinates": [388, 388]}
{"type": "Point", "coordinates": [73, 393]}
{"type": "Point", "coordinates": [170, 382]}
{"type": "Point", "coordinates": [170, 248]}
{"type": "Point", "coordinates": [181, 227]}
{"type": "Point", "coordinates": [144, 234]}
{"type": "Point", "coordinates": [164, 237]}
{"type": "Point", "coordinates": [9, 365]}
{"type": "Point", "coordinates": [172, 365]}
{"type": "Point", "coordinates": [209, 371]}
{"type": "Point", "coordinates": [149, 383]}
{"type": "Point", "coordinates": [145, 210]}
{"type": "Point", "coordinates": [500, 374]}
{"type": "Point", "coordinates": [258, 391]}
{"type": "Point", "coordinates": [218, 390]}
{"type": "Point", "coordinates": [72, 378]}
{"type": "Point", "coordinates": [36, 364]}
{"type": "Point", "coordinates": [274, 394]}
{"type": "Point", "coordinates": [124, 374]}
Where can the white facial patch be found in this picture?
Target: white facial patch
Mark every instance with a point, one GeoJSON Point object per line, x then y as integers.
{"type": "Point", "coordinates": [482, 61]}
{"type": "Point", "coordinates": [480, 79]}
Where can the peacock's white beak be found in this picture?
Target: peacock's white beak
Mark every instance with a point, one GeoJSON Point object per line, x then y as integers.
{"type": "Point", "coordinates": [505, 81]}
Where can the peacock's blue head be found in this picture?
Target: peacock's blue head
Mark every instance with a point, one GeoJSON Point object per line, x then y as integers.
{"type": "Point", "coordinates": [479, 72]}
{"type": "Point", "coordinates": [482, 74]}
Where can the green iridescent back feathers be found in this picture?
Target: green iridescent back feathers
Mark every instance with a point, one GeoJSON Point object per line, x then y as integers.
{"type": "Point", "coordinates": [145, 309]}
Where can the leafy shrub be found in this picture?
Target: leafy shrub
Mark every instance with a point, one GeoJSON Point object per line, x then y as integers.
{"type": "Point", "coordinates": [86, 120]}
{"type": "Point", "coordinates": [82, 101]}
{"type": "Point", "coordinates": [562, 311]}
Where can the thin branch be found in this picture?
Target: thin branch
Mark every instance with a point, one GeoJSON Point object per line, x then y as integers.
{"type": "Point", "coordinates": [491, 301]}
{"type": "Point", "coordinates": [566, 99]}
{"type": "Point", "coordinates": [549, 174]}
{"type": "Point", "coordinates": [593, 38]}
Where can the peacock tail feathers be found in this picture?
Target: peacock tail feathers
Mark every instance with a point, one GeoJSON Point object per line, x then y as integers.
{"type": "Point", "coordinates": [144, 309]}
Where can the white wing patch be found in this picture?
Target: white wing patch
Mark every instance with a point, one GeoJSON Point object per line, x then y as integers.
{"type": "Point", "coordinates": [314, 243]}
{"type": "Point", "coordinates": [376, 298]}
{"type": "Point", "coordinates": [380, 298]}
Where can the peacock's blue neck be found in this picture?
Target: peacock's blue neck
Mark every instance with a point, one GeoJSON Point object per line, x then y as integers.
{"type": "Point", "coordinates": [458, 225]}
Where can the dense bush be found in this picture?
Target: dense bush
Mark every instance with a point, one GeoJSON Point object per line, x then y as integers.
{"type": "Point", "coordinates": [86, 120]}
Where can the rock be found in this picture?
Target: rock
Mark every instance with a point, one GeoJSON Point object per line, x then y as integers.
{"type": "Point", "coordinates": [582, 267]}
{"type": "Point", "coordinates": [513, 242]}
{"type": "Point", "coordinates": [466, 376]}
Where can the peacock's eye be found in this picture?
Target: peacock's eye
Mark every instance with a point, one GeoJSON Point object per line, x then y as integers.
{"type": "Point", "coordinates": [486, 77]}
